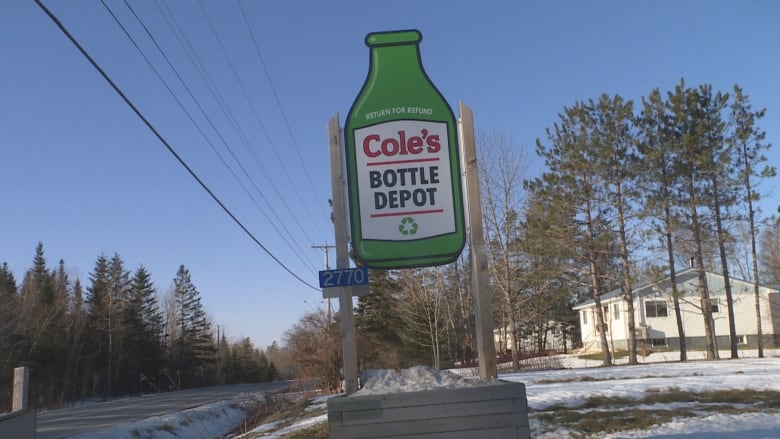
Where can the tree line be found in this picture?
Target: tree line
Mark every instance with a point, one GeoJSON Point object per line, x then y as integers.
{"type": "Point", "coordinates": [629, 193]}
{"type": "Point", "coordinates": [636, 192]}
{"type": "Point", "coordinates": [114, 336]}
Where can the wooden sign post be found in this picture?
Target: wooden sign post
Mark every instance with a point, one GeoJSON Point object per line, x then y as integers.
{"type": "Point", "coordinates": [349, 344]}
{"type": "Point", "coordinates": [479, 275]}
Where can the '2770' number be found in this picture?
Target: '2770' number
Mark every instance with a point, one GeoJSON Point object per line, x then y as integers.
{"type": "Point", "coordinates": [343, 277]}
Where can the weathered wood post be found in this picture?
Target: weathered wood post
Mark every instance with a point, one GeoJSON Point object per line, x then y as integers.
{"type": "Point", "coordinates": [21, 388]}
{"type": "Point", "coordinates": [348, 341]}
{"type": "Point", "coordinates": [480, 283]}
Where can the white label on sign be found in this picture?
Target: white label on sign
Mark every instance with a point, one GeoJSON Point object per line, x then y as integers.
{"type": "Point", "coordinates": [404, 180]}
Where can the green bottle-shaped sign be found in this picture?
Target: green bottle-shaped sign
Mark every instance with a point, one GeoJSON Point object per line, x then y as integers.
{"type": "Point", "coordinates": [403, 167]}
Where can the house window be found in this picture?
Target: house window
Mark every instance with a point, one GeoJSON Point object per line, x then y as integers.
{"type": "Point", "coordinates": [584, 317]}
{"type": "Point", "coordinates": [606, 312]}
{"type": "Point", "coordinates": [656, 308]}
{"type": "Point", "coordinates": [655, 342]}
{"type": "Point", "coordinates": [714, 305]}
{"type": "Point", "coordinates": [616, 311]}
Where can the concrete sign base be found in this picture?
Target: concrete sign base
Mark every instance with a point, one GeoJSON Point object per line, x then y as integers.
{"type": "Point", "coordinates": [497, 410]}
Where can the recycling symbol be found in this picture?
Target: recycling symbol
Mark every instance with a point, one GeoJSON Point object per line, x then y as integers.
{"type": "Point", "coordinates": [408, 226]}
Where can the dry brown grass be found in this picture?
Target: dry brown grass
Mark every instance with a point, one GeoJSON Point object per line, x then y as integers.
{"type": "Point", "coordinates": [607, 414]}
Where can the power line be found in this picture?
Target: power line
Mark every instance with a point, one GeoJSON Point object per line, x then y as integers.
{"type": "Point", "coordinates": [279, 103]}
{"type": "Point", "coordinates": [200, 68]}
{"type": "Point", "coordinates": [159, 136]}
{"type": "Point", "coordinates": [298, 251]}
{"type": "Point", "coordinates": [260, 123]}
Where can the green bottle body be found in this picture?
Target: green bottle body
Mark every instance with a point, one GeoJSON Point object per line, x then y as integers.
{"type": "Point", "coordinates": [403, 163]}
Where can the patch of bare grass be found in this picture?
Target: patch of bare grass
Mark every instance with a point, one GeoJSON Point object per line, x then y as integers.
{"type": "Point", "coordinates": [600, 422]}
{"type": "Point", "coordinates": [317, 431]}
{"type": "Point", "coordinates": [608, 414]}
{"type": "Point", "coordinates": [284, 409]}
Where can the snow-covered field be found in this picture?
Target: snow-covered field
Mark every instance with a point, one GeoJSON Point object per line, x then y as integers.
{"type": "Point", "coordinates": [571, 387]}
{"type": "Point", "coordinates": [568, 387]}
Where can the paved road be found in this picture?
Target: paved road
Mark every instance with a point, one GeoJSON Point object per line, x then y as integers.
{"type": "Point", "coordinates": [68, 421]}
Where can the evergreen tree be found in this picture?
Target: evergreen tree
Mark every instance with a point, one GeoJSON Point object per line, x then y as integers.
{"type": "Point", "coordinates": [9, 333]}
{"type": "Point", "coordinates": [748, 139]}
{"type": "Point", "coordinates": [142, 323]}
{"type": "Point", "coordinates": [687, 133]}
{"type": "Point", "coordinates": [76, 344]}
{"type": "Point", "coordinates": [118, 334]}
{"type": "Point", "coordinates": [193, 350]}
{"type": "Point", "coordinates": [545, 243]}
{"type": "Point", "coordinates": [98, 328]}
{"type": "Point", "coordinates": [722, 184]}
{"type": "Point", "coordinates": [44, 329]}
{"type": "Point", "coordinates": [224, 367]}
{"type": "Point", "coordinates": [377, 324]}
{"type": "Point", "coordinates": [574, 177]}
{"type": "Point", "coordinates": [658, 183]}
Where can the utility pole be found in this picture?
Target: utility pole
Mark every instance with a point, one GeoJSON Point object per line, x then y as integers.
{"type": "Point", "coordinates": [325, 247]}
{"type": "Point", "coordinates": [349, 345]}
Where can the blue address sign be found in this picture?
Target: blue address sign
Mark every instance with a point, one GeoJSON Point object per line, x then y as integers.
{"type": "Point", "coordinates": [343, 277]}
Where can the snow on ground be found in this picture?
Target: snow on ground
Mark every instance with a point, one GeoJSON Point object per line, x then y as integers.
{"type": "Point", "coordinates": [567, 387]}
{"type": "Point", "coordinates": [633, 381]}
{"type": "Point", "coordinates": [382, 381]}
{"type": "Point", "coordinates": [261, 432]}
{"type": "Point", "coordinates": [317, 409]}
{"type": "Point", "coordinates": [208, 421]}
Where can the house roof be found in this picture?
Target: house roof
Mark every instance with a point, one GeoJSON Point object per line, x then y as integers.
{"type": "Point", "coordinates": [648, 288]}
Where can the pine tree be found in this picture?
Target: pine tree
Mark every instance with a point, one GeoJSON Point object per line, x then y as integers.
{"type": "Point", "coordinates": [193, 349]}
{"type": "Point", "coordinates": [118, 334]}
{"type": "Point", "coordinates": [377, 324]}
{"type": "Point", "coordinates": [98, 327]}
{"type": "Point", "coordinates": [722, 184]}
{"type": "Point", "coordinates": [76, 344]}
{"type": "Point", "coordinates": [687, 136]}
{"type": "Point", "coordinates": [546, 244]}
{"type": "Point", "coordinates": [43, 314]}
{"type": "Point", "coordinates": [142, 323]}
{"type": "Point", "coordinates": [224, 367]}
{"type": "Point", "coordinates": [659, 181]}
{"type": "Point", "coordinates": [574, 177]}
{"type": "Point", "coordinates": [9, 333]}
{"type": "Point", "coordinates": [748, 139]}
{"type": "Point", "coordinates": [611, 139]}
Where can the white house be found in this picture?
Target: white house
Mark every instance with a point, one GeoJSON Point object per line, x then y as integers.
{"type": "Point", "coordinates": [559, 337]}
{"type": "Point", "coordinates": [655, 320]}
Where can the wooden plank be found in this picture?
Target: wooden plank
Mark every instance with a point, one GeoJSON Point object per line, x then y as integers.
{"type": "Point", "coordinates": [491, 433]}
{"type": "Point", "coordinates": [500, 390]}
{"type": "Point", "coordinates": [497, 410]}
{"type": "Point", "coordinates": [428, 426]}
{"type": "Point", "coordinates": [403, 414]}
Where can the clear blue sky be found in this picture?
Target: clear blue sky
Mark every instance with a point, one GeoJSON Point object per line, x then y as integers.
{"type": "Point", "coordinates": [80, 172]}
